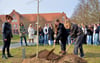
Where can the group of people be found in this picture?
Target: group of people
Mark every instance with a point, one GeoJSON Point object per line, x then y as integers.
{"type": "Point", "coordinates": [49, 35]}
{"type": "Point", "coordinates": [23, 32]}
{"type": "Point", "coordinates": [91, 34]}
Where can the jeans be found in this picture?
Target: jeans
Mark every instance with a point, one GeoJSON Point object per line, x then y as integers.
{"type": "Point", "coordinates": [89, 39]}
{"type": "Point", "coordinates": [21, 39]}
{"type": "Point", "coordinates": [69, 39]}
{"type": "Point", "coordinates": [46, 39]}
{"type": "Point", "coordinates": [95, 38]}
{"type": "Point", "coordinates": [78, 44]}
{"type": "Point", "coordinates": [41, 40]}
{"type": "Point", "coordinates": [50, 42]}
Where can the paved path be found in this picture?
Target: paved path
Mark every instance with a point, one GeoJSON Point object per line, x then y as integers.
{"type": "Point", "coordinates": [16, 45]}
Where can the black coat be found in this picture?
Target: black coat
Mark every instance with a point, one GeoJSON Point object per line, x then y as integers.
{"type": "Point", "coordinates": [75, 31]}
{"type": "Point", "coordinates": [89, 32]}
{"type": "Point", "coordinates": [50, 34]}
{"type": "Point", "coordinates": [61, 32]}
{"type": "Point", "coordinates": [7, 30]}
{"type": "Point", "coordinates": [41, 32]}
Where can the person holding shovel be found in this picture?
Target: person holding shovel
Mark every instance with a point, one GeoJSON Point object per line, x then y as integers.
{"type": "Point", "coordinates": [61, 35]}
{"type": "Point", "coordinates": [78, 35]}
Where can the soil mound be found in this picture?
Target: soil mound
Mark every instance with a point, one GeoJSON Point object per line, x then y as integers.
{"type": "Point", "coordinates": [71, 58]}
{"type": "Point", "coordinates": [46, 56]}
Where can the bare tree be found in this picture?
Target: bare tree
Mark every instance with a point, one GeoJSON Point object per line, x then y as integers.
{"type": "Point", "coordinates": [87, 11]}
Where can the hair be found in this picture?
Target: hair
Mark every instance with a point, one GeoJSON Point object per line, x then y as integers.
{"type": "Point", "coordinates": [57, 20]}
{"type": "Point", "coordinates": [30, 25]}
{"type": "Point", "coordinates": [56, 28]}
{"type": "Point", "coordinates": [8, 17]}
{"type": "Point", "coordinates": [40, 28]}
{"type": "Point", "coordinates": [67, 24]}
{"type": "Point", "coordinates": [20, 24]}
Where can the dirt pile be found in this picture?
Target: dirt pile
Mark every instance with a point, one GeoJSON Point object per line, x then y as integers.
{"type": "Point", "coordinates": [46, 56]}
{"type": "Point", "coordinates": [71, 58]}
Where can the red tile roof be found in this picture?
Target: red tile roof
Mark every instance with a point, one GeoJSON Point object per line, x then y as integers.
{"type": "Point", "coordinates": [33, 17]}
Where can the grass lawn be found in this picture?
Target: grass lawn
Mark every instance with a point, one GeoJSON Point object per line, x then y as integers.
{"type": "Point", "coordinates": [92, 53]}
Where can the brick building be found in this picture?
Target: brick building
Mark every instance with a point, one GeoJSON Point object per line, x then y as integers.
{"type": "Point", "coordinates": [32, 18]}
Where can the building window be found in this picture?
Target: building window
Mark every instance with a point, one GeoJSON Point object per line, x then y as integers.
{"type": "Point", "coordinates": [14, 18]}
{"type": "Point", "coordinates": [17, 25]}
{"type": "Point", "coordinates": [63, 18]}
{"type": "Point", "coordinates": [14, 26]}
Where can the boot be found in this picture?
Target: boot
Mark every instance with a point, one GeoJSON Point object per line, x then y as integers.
{"type": "Point", "coordinates": [9, 55]}
{"type": "Point", "coordinates": [4, 56]}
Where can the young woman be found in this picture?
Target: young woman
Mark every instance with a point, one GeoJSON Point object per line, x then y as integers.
{"type": "Point", "coordinates": [31, 34]}
{"type": "Point", "coordinates": [95, 35]}
{"type": "Point", "coordinates": [22, 33]}
{"type": "Point", "coordinates": [50, 34]}
{"type": "Point", "coordinates": [89, 35]}
{"type": "Point", "coordinates": [41, 36]}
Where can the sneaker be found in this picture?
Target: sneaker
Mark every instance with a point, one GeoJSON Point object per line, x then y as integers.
{"type": "Point", "coordinates": [4, 57]}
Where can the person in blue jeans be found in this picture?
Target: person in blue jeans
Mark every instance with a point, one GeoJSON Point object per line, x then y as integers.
{"type": "Point", "coordinates": [41, 35]}
{"type": "Point", "coordinates": [22, 34]}
{"type": "Point", "coordinates": [45, 30]}
{"type": "Point", "coordinates": [98, 27]}
{"type": "Point", "coordinates": [96, 35]}
{"type": "Point", "coordinates": [89, 35]}
{"type": "Point", "coordinates": [50, 34]}
{"type": "Point", "coordinates": [77, 33]}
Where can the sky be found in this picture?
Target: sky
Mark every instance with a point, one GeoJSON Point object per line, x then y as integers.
{"type": "Point", "coordinates": [46, 6]}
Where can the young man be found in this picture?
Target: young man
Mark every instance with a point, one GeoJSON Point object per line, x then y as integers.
{"type": "Point", "coordinates": [61, 35]}
{"type": "Point", "coordinates": [77, 34]}
{"type": "Point", "coordinates": [7, 35]}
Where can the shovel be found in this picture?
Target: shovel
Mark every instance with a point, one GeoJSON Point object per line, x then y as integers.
{"type": "Point", "coordinates": [70, 45]}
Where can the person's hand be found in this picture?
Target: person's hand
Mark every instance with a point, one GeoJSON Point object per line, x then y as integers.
{"type": "Point", "coordinates": [32, 34]}
{"type": "Point", "coordinates": [23, 32]}
{"type": "Point", "coordinates": [55, 35]}
{"type": "Point", "coordinates": [54, 41]}
{"type": "Point", "coordinates": [5, 39]}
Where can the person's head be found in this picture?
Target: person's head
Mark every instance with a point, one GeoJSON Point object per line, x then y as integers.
{"type": "Point", "coordinates": [30, 25]}
{"type": "Point", "coordinates": [94, 25]}
{"type": "Point", "coordinates": [40, 28]}
{"type": "Point", "coordinates": [79, 25]}
{"type": "Point", "coordinates": [51, 26]}
{"type": "Point", "coordinates": [45, 24]}
{"type": "Point", "coordinates": [89, 26]}
{"type": "Point", "coordinates": [9, 18]}
{"type": "Point", "coordinates": [57, 22]}
{"type": "Point", "coordinates": [21, 24]}
{"type": "Point", "coordinates": [97, 24]}
{"type": "Point", "coordinates": [67, 24]}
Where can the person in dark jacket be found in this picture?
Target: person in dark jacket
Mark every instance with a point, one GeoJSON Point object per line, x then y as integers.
{"type": "Point", "coordinates": [7, 35]}
{"type": "Point", "coordinates": [22, 33]}
{"type": "Point", "coordinates": [61, 35]}
{"type": "Point", "coordinates": [89, 35]}
{"type": "Point", "coordinates": [77, 34]}
{"type": "Point", "coordinates": [50, 34]}
{"type": "Point", "coordinates": [41, 36]}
